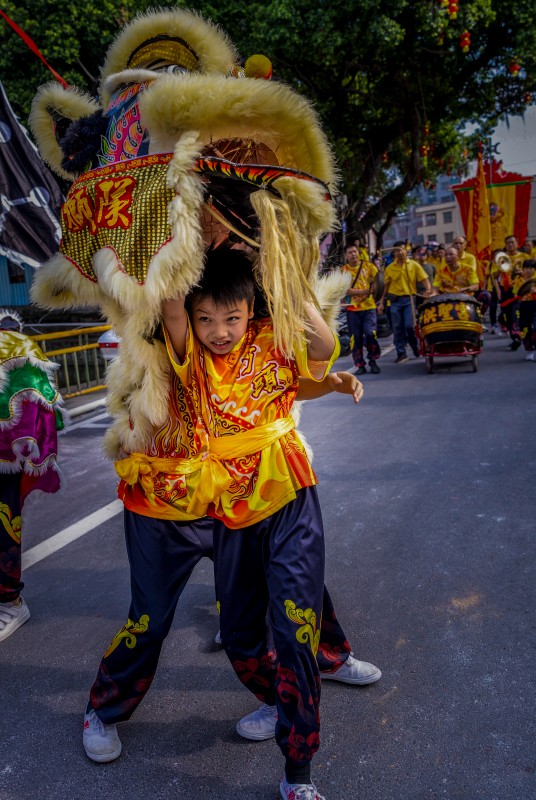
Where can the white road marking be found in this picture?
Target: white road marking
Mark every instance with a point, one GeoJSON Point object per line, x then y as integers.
{"type": "Point", "coordinates": [83, 409]}
{"type": "Point", "coordinates": [70, 534]}
{"type": "Point", "coordinates": [88, 423]}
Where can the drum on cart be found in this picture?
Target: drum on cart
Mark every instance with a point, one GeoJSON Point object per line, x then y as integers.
{"type": "Point", "coordinates": [450, 325]}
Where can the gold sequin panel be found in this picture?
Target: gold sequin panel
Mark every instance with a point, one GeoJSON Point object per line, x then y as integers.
{"type": "Point", "coordinates": [123, 207]}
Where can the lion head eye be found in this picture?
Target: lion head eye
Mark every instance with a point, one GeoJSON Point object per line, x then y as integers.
{"type": "Point", "coordinates": [175, 69]}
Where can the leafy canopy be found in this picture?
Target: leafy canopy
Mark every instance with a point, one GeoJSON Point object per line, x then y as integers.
{"type": "Point", "coordinates": [389, 78]}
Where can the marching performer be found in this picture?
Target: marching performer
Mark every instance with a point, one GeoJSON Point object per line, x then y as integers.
{"type": "Point", "coordinates": [30, 417]}
{"type": "Point", "coordinates": [361, 310]}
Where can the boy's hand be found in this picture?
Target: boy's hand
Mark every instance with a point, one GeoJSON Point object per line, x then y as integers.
{"type": "Point", "coordinates": [346, 383]}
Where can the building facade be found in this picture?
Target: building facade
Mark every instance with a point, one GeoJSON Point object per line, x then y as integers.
{"type": "Point", "coordinates": [15, 283]}
{"type": "Point", "coordinates": [433, 216]}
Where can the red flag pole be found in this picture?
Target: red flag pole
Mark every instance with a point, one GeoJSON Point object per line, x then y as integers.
{"type": "Point", "coordinates": [34, 48]}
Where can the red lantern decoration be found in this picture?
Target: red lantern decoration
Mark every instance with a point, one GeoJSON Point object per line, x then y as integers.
{"type": "Point", "coordinates": [465, 41]}
{"type": "Point", "coordinates": [514, 68]}
{"type": "Point", "coordinates": [452, 8]}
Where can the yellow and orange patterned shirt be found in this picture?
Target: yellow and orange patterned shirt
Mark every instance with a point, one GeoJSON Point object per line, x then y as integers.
{"type": "Point", "coordinates": [447, 280]}
{"type": "Point", "coordinates": [156, 483]}
{"type": "Point", "coordinates": [229, 450]}
{"type": "Point", "coordinates": [244, 399]}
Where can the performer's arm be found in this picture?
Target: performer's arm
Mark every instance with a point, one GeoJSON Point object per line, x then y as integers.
{"type": "Point", "coordinates": [427, 287]}
{"type": "Point", "coordinates": [387, 281]}
{"type": "Point", "coordinates": [343, 382]}
{"type": "Point", "coordinates": [175, 319]}
{"type": "Point", "coordinates": [320, 338]}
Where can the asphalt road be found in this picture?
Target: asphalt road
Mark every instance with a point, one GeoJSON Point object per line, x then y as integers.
{"type": "Point", "coordinates": [427, 490]}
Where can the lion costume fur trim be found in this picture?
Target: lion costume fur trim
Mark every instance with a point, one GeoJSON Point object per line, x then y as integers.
{"type": "Point", "coordinates": [51, 101]}
{"type": "Point", "coordinates": [212, 46]}
{"type": "Point", "coordinates": [58, 284]}
{"type": "Point", "coordinates": [238, 108]}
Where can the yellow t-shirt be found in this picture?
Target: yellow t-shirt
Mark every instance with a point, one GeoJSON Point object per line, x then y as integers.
{"type": "Point", "coordinates": [436, 262]}
{"type": "Point", "coordinates": [468, 260]}
{"type": "Point", "coordinates": [447, 280]}
{"type": "Point", "coordinates": [237, 395]}
{"type": "Point", "coordinates": [364, 282]}
{"type": "Point", "coordinates": [403, 279]}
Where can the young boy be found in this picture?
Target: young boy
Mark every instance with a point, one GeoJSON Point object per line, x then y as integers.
{"type": "Point", "coordinates": [164, 544]}
{"type": "Point", "coordinates": [259, 487]}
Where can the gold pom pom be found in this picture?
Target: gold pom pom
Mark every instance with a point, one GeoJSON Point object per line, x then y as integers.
{"type": "Point", "coordinates": [258, 66]}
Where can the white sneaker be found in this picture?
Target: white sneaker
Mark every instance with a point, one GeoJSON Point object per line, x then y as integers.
{"type": "Point", "coordinates": [531, 356]}
{"type": "Point", "coordinates": [12, 617]}
{"type": "Point", "coordinates": [354, 671]}
{"type": "Point", "coordinates": [258, 725]}
{"type": "Point", "coordinates": [299, 791]}
{"type": "Point", "coordinates": [497, 330]}
{"type": "Point", "coordinates": [101, 742]}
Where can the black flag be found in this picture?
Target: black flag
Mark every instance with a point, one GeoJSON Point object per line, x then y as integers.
{"type": "Point", "coordinates": [29, 195]}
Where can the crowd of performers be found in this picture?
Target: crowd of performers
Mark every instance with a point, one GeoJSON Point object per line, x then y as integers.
{"type": "Point", "coordinates": [506, 289]}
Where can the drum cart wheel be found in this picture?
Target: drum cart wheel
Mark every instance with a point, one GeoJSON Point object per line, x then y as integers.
{"type": "Point", "coordinates": [429, 364]}
{"type": "Point", "coordinates": [474, 362]}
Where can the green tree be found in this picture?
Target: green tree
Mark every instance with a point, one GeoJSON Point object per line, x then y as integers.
{"type": "Point", "coordinates": [389, 79]}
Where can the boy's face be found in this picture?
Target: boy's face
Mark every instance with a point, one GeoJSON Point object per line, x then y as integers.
{"type": "Point", "coordinates": [220, 327]}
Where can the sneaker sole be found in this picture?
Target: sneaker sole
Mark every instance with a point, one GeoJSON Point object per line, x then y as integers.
{"type": "Point", "coordinates": [12, 627]}
{"type": "Point", "coordinates": [327, 676]}
{"type": "Point", "coordinates": [103, 758]}
{"type": "Point", "coordinates": [285, 796]}
{"type": "Point", "coordinates": [254, 737]}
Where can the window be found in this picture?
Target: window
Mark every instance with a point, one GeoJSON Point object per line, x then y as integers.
{"type": "Point", "coordinates": [430, 219]}
{"type": "Point", "coordinates": [431, 237]}
{"type": "Point", "coordinates": [449, 237]}
{"type": "Point", "coordinates": [15, 272]}
{"type": "Point", "coordinates": [447, 217]}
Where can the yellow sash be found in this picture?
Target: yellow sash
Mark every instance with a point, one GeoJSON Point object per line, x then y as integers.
{"type": "Point", "coordinates": [214, 479]}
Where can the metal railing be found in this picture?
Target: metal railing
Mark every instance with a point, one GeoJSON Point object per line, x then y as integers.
{"type": "Point", "coordinates": [82, 368]}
